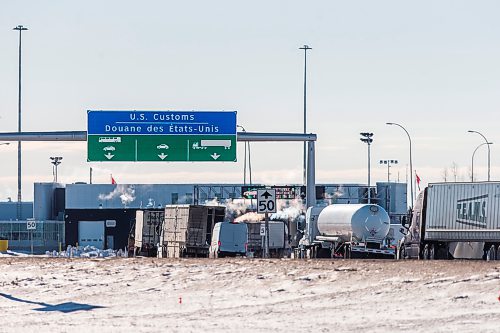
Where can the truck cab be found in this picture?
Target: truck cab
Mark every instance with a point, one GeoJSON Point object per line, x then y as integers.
{"type": "Point", "coordinates": [410, 244]}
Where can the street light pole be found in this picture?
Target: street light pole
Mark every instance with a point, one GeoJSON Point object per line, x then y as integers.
{"type": "Point", "coordinates": [305, 48]}
{"type": "Point", "coordinates": [367, 138]}
{"type": "Point", "coordinates": [20, 28]}
{"type": "Point", "coordinates": [486, 142]}
{"type": "Point", "coordinates": [411, 165]}
{"type": "Point", "coordinates": [474, 153]}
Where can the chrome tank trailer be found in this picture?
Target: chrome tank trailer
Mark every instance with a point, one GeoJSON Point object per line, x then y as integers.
{"type": "Point", "coordinates": [356, 222]}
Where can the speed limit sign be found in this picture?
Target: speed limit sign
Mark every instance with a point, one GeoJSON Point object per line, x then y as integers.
{"type": "Point", "coordinates": [266, 201]}
{"type": "Point", "coordinates": [31, 224]}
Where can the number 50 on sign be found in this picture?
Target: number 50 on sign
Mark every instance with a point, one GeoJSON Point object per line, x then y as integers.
{"type": "Point", "coordinates": [31, 224]}
{"type": "Point", "coordinates": [266, 201]}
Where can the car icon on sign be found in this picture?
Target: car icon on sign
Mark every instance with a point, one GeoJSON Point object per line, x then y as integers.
{"type": "Point", "coordinates": [111, 148]}
{"type": "Point", "coordinates": [162, 146]}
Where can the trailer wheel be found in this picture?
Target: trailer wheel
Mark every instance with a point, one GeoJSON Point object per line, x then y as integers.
{"type": "Point", "coordinates": [491, 254]}
{"type": "Point", "coordinates": [432, 252]}
{"type": "Point", "coordinates": [425, 254]}
{"type": "Point", "coordinates": [498, 252]}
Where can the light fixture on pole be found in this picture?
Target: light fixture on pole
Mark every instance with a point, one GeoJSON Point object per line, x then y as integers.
{"type": "Point", "coordinates": [487, 143]}
{"type": "Point", "coordinates": [367, 138]}
{"type": "Point", "coordinates": [388, 163]}
{"type": "Point", "coordinates": [55, 161]}
{"type": "Point", "coordinates": [474, 153]}
{"type": "Point", "coordinates": [411, 165]}
{"type": "Point", "coordinates": [20, 28]}
{"type": "Point", "coordinates": [305, 48]}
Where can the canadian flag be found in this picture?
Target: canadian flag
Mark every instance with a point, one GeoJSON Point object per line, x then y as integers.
{"type": "Point", "coordinates": [417, 178]}
{"type": "Point", "coordinates": [113, 180]}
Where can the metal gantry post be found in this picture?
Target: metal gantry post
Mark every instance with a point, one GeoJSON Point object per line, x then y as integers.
{"type": "Point", "coordinates": [311, 176]}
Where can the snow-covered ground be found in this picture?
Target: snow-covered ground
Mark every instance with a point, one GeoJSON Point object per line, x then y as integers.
{"type": "Point", "coordinates": [40, 294]}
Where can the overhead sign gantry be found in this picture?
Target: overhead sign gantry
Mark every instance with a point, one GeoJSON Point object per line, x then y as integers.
{"type": "Point", "coordinates": [168, 136]}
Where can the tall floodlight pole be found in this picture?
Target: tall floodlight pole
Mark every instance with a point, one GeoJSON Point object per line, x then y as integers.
{"type": "Point", "coordinates": [367, 138]}
{"type": "Point", "coordinates": [472, 163]}
{"type": "Point", "coordinates": [486, 142]}
{"type": "Point", "coordinates": [411, 165]}
{"type": "Point", "coordinates": [19, 198]}
{"type": "Point", "coordinates": [56, 160]}
{"type": "Point", "coordinates": [305, 48]}
{"type": "Point", "coordinates": [388, 163]}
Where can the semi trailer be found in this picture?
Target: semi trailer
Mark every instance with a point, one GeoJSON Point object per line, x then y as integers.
{"type": "Point", "coordinates": [148, 229]}
{"type": "Point", "coordinates": [187, 230]}
{"type": "Point", "coordinates": [454, 220]}
{"type": "Point", "coordinates": [346, 230]}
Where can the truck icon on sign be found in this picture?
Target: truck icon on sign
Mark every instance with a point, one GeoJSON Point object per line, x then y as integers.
{"type": "Point", "coordinates": [110, 139]}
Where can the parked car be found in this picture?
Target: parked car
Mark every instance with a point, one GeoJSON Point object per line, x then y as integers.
{"type": "Point", "coordinates": [228, 239]}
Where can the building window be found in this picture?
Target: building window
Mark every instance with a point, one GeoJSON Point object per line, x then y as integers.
{"type": "Point", "coordinates": [189, 198]}
{"type": "Point", "coordinates": [175, 198]}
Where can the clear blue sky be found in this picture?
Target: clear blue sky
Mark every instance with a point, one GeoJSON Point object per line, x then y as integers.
{"type": "Point", "coordinates": [432, 66]}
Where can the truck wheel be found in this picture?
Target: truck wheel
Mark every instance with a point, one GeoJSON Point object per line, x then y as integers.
{"type": "Point", "coordinates": [402, 253]}
{"type": "Point", "coordinates": [347, 252]}
{"type": "Point", "coordinates": [491, 254]}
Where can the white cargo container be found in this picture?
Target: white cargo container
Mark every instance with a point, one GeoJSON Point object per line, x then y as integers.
{"type": "Point", "coordinates": [278, 238]}
{"type": "Point", "coordinates": [447, 214]}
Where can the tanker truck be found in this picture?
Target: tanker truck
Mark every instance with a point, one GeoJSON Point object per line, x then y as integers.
{"type": "Point", "coordinates": [346, 230]}
{"type": "Point", "coordinates": [454, 220]}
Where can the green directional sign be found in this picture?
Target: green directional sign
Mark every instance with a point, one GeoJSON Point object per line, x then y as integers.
{"type": "Point", "coordinates": [167, 148]}
{"type": "Point", "coordinates": [132, 136]}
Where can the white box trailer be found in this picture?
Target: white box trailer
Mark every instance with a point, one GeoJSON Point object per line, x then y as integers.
{"type": "Point", "coordinates": [187, 230]}
{"type": "Point", "coordinates": [447, 214]}
{"type": "Point", "coordinates": [148, 229]}
{"type": "Point", "coordinates": [278, 238]}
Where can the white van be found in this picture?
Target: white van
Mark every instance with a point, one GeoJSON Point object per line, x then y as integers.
{"type": "Point", "coordinates": [229, 239]}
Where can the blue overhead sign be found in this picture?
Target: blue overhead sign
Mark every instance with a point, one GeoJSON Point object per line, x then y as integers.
{"type": "Point", "coordinates": [161, 122]}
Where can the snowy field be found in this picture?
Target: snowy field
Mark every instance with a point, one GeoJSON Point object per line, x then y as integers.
{"type": "Point", "coordinates": [39, 294]}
